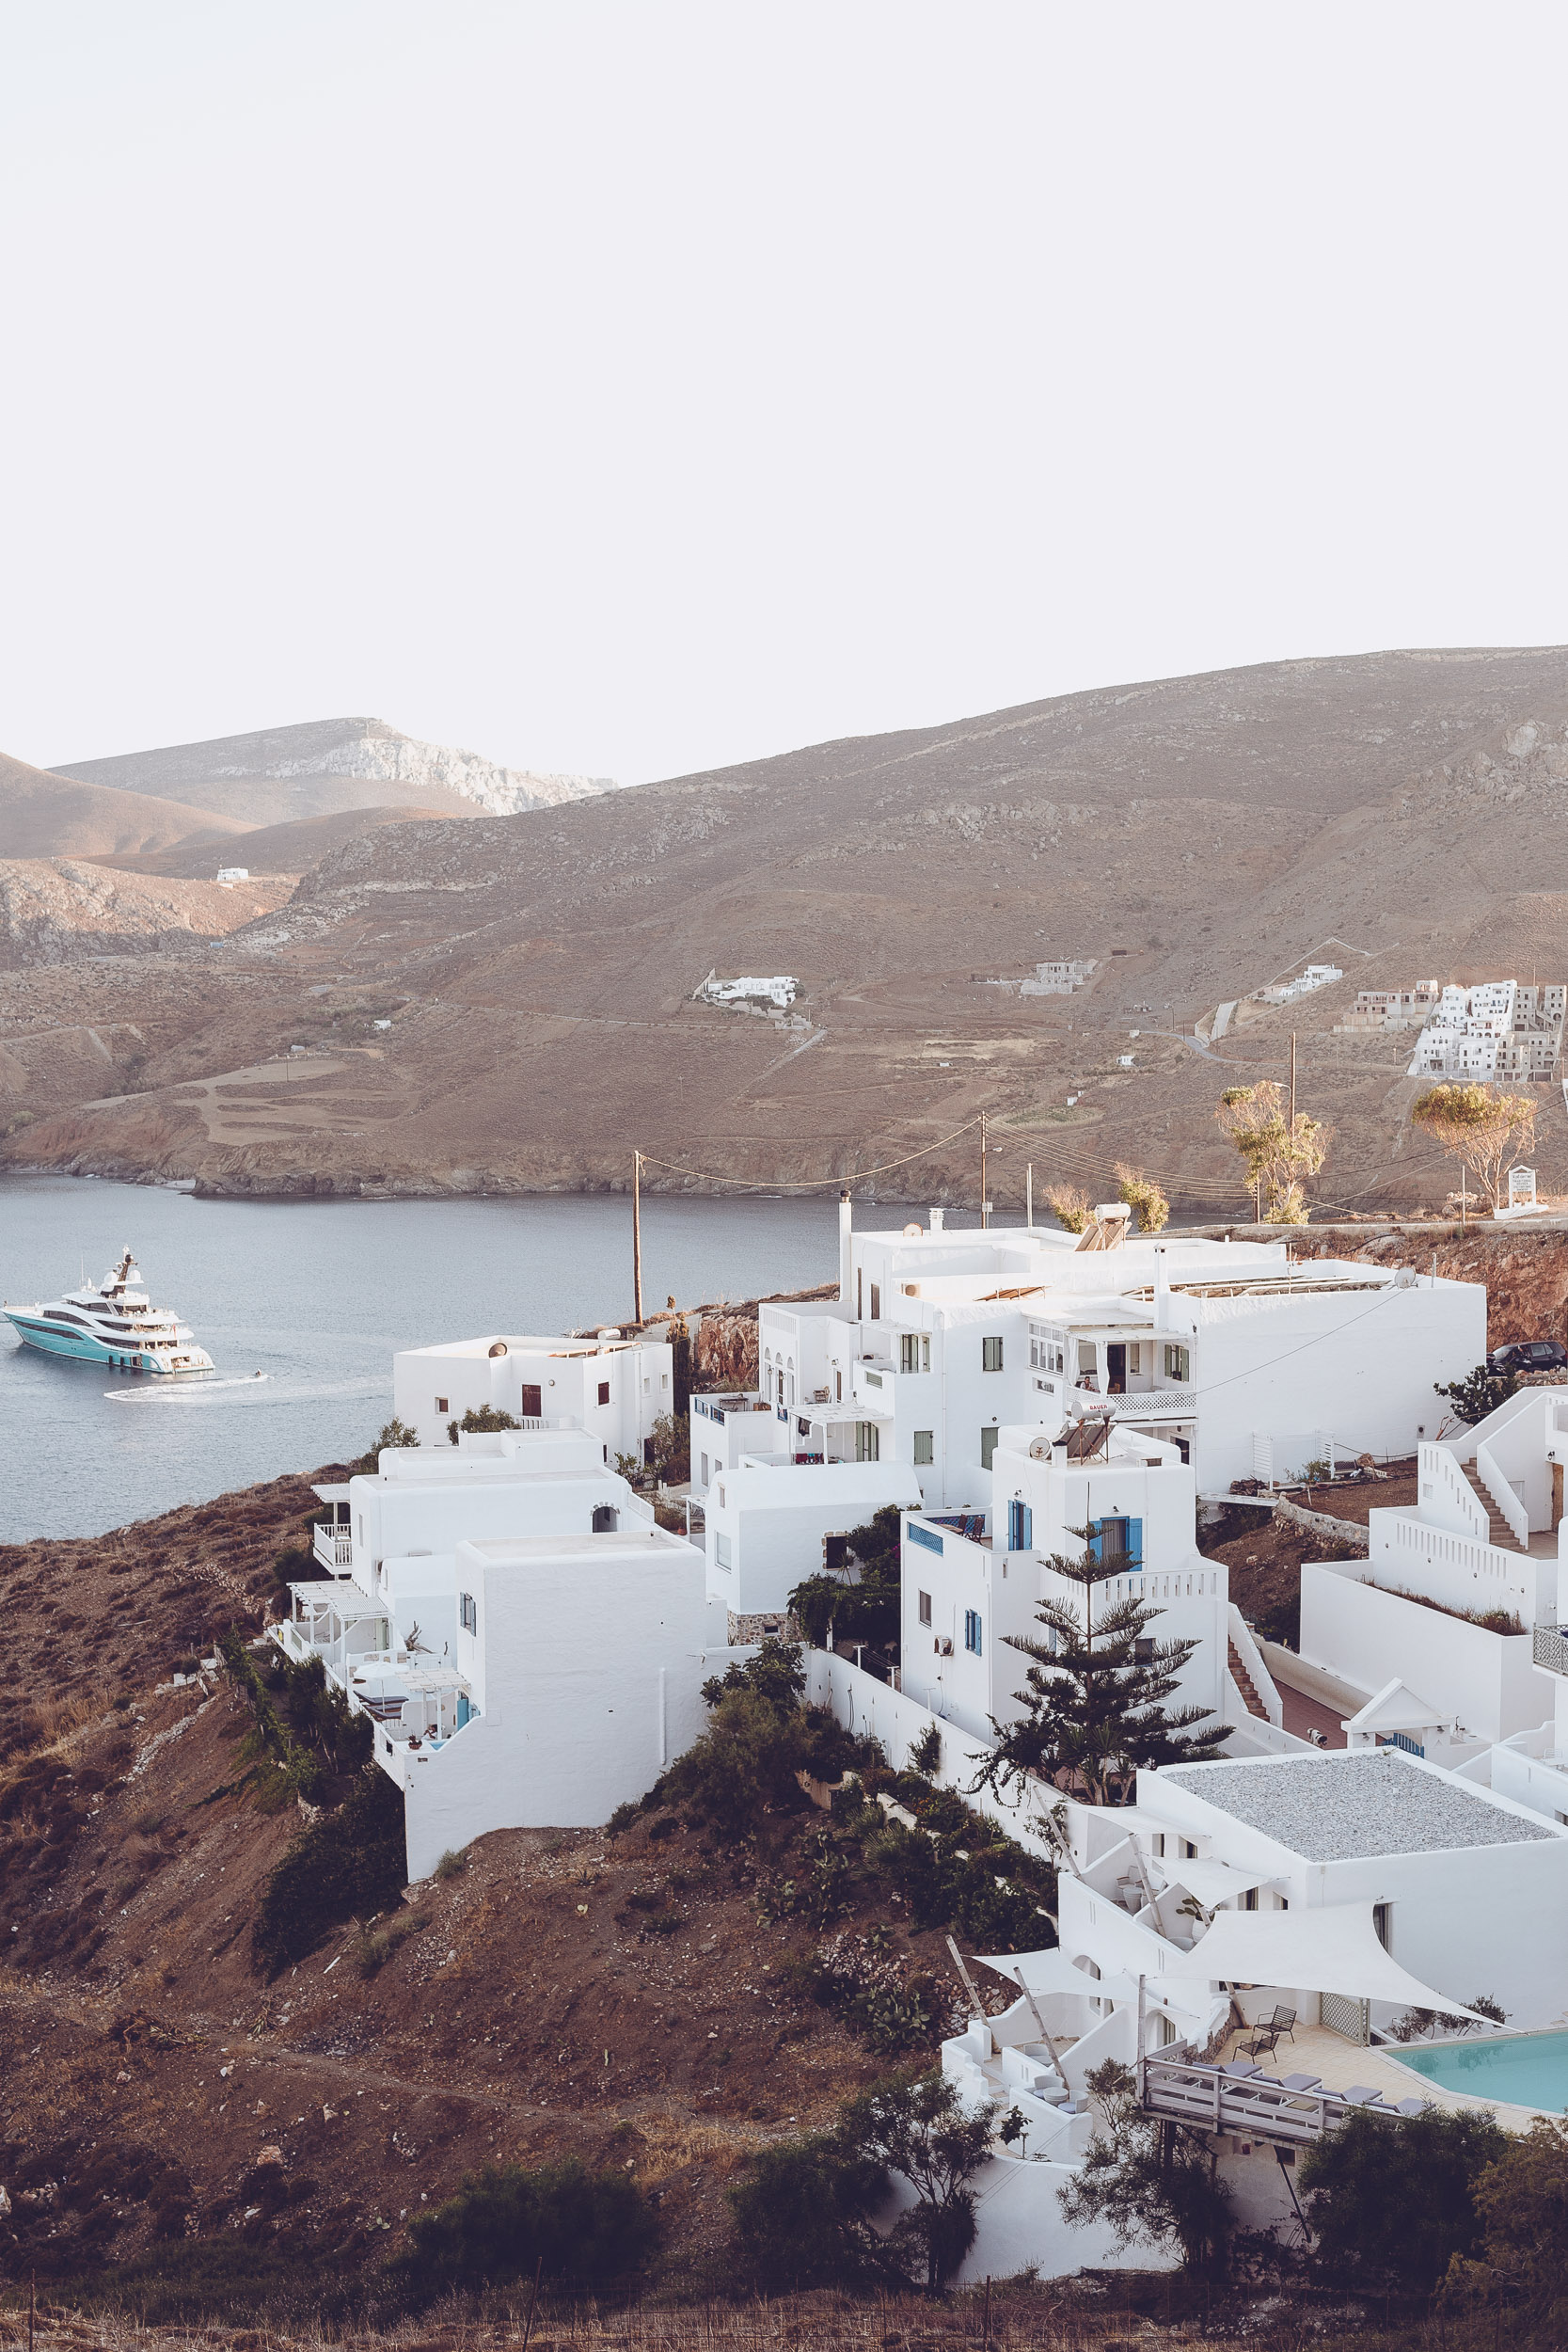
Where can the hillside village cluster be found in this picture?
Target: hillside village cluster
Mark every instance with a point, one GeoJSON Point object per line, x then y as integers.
{"type": "Point", "coordinates": [1387, 1828]}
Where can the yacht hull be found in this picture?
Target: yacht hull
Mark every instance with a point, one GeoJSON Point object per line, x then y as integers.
{"type": "Point", "coordinates": [83, 1348]}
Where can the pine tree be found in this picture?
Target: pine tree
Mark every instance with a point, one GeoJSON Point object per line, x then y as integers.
{"type": "Point", "coordinates": [1095, 1696]}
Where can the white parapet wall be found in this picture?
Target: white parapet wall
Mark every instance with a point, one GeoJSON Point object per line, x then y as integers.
{"type": "Point", "coordinates": [1368, 1637]}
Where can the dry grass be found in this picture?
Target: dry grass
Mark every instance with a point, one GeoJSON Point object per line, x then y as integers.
{"type": "Point", "coordinates": [1066, 2317]}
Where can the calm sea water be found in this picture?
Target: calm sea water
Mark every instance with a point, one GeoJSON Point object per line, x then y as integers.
{"type": "Point", "coordinates": [316, 1297]}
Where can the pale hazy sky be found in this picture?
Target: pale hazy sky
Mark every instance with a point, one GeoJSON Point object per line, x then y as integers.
{"type": "Point", "coordinates": [629, 389]}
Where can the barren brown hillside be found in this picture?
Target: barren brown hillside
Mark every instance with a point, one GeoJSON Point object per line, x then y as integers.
{"type": "Point", "coordinates": [49, 815]}
{"type": "Point", "coordinates": [1397, 814]}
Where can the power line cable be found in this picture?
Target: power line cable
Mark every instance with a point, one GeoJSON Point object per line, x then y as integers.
{"type": "Point", "coordinates": [805, 1183]}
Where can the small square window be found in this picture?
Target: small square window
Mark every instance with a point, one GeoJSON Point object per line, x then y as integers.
{"type": "Point", "coordinates": [604, 1392]}
{"type": "Point", "coordinates": [925, 1608]}
{"type": "Point", "coordinates": [991, 1355]}
{"type": "Point", "coordinates": [925, 1448]}
{"type": "Point", "coordinates": [468, 1613]}
{"type": "Point", "coordinates": [1178, 1362]}
{"type": "Point", "coordinates": [442, 1406]}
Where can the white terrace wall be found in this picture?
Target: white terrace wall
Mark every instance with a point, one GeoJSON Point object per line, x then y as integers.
{"type": "Point", "coordinates": [1367, 1636]}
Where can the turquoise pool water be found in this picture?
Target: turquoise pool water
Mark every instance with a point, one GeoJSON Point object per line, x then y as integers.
{"type": "Point", "coordinates": [1525, 2069]}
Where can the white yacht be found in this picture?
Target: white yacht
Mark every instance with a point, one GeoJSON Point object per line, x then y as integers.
{"type": "Point", "coordinates": [112, 1324]}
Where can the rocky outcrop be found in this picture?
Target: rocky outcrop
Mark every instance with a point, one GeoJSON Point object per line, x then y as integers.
{"type": "Point", "coordinates": [57, 909]}
{"type": "Point", "coordinates": [366, 749]}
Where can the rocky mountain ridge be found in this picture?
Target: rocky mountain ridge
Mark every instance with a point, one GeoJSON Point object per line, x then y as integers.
{"type": "Point", "coordinates": [364, 751]}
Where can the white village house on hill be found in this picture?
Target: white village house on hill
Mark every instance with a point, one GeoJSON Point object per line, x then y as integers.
{"type": "Point", "coordinates": [531, 1644]}
{"type": "Point", "coordinates": [1251, 1362]}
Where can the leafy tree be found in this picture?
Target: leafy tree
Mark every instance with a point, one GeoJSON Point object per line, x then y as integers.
{"type": "Point", "coordinates": [1277, 1154]}
{"type": "Point", "coordinates": [1152, 2182]}
{"type": "Point", "coordinates": [1480, 1392]}
{"type": "Point", "coordinates": [506, 2221]}
{"type": "Point", "coordinates": [802, 2214]}
{"type": "Point", "coordinates": [1095, 1698]}
{"type": "Point", "coordinates": [1523, 2202]}
{"type": "Point", "coordinates": [1070, 1206]}
{"type": "Point", "coordinates": [1392, 2203]}
{"type": "Point", "coordinates": [917, 2127]}
{"type": "Point", "coordinates": [667, 1449]}
{"type": "Point", "coordinates": [480, 1419]}
{"type": "Point", "coordinates": [1488, 1132]}
{"type": "Point", "coordinates": [1143, 1194]}
{"type": "Point", "coordinates": [868, 1608]}
{"type": "Point", "coordinates": [393, 1434]}
{"type": "Point", "coordinates": [775, 1674]}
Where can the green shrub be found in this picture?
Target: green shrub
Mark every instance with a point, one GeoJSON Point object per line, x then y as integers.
{"type": "Point", "coordinates": [451, 1864]}
{"type": "Point", "coordinates": [479, 1420]}
{"type": "Point", "coordinates": [596, 2228]}
{"type": "Point", "coordinates": [1391, 2204]}
{"type": "Point", "coordinates": [1478, 1393]}
{"type": "Point", "coordinates": [802, 2214]}
{"type": "Point", "coordinates": [352, 1864]}
{"type": "Point", "coordinates": [744, 1763]}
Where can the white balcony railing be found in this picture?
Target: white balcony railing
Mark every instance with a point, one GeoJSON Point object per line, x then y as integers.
{"type": "Point", "coordinates": [333, 1547]}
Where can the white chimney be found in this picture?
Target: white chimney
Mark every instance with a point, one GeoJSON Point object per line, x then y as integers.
{"type": "Point", "coordinates": [846, 1266]}
{"type": "Point", "coordinates": [933, 1220]}
{"type": "Point", "coordinates": [1162, 1290]}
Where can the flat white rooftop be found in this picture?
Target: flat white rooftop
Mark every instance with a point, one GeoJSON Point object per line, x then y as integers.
{"type": "Point", "coordinates": [1355, 1806]}
{"type": "Point", "coordinates": [524, 1550]}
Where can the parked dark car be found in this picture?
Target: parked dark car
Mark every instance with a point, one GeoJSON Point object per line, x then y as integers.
{"type": "Point", "coordinates": [1528, 1356]}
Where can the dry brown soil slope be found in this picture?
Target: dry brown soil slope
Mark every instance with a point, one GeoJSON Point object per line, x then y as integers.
{"type": "Point", "coordinates": [48, 816]}
{"type": "Point", "coordinates": [289, 848]}
{"type": "Point", "coordinates": [1400, 814]}
{"type": "Point", "coordinates": [535, 2011]}
{"type": "Point", "coordinates": [53, 910]}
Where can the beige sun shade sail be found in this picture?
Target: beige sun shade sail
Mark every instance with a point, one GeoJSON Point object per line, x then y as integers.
{"type": "Point", "coordinates": [1053, 1972]}
{"type": "Point", "coordinates": [1332, 1949]}
{"type": "Point", "coordinates": [1213, 1881]}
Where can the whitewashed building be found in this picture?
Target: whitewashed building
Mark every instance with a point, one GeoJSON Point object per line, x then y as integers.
{"type": "Point", "coordinates": [1250, 1362]}
{"type": "Point", "coordinates": [614, 1388]}
{"type": "Point", "coordinates": [973, 1581]}
{"type": "Point", "coordinates": [531, 1644]}
{"type": "Point", "coordinates": [770, 1524]}
{"type": "Point", "coordinates": [1499, 1029]}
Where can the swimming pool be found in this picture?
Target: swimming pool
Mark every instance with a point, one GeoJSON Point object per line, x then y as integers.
{"type": "Point", "coordinates": [1524, 2070]}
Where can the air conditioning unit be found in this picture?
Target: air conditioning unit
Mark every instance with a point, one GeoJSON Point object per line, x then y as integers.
{"type": "Point", "coordinates": [943, 1648]}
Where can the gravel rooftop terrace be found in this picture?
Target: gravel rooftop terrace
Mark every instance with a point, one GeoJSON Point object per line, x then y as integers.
{"type": "Point", "coordinates": [1336, 1808]}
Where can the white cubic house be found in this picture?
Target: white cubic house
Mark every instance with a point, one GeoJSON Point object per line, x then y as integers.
{"type": "Point", "coordinates": [614, 1388]}
{"type": "Point", "coordinates": [1250, 1362]}
{"type": "Point", "coordinates": [973, 1581]}
{"type": "Point", "coordinates": [531, 1644]}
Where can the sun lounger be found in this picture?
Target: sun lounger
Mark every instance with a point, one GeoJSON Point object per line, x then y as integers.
{"type": "Point", "coordinates": [1361, 2095]}
{"type": "Point", "coordinates": [1302, 2082]}
{"type": "Point", "coordinates": [1240, 2069]}
{"type": "Point", "coordinates": [1413, 2106]}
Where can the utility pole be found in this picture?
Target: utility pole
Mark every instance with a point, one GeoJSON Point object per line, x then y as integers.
{"type": "Point", "coordinates": [637, 1236]}
{"type": "Point", "coordinates": [984, 1205]}
{"type": "Point", "coordinates": [1029, 1195]}
{"type": "Point", "coordinates": [1293, 1086]}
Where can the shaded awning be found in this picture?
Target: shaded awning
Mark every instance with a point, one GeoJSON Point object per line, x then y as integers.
{"type": "Point", "coordinates": [1214, 1882]}
{"type": "Point", "coordinates": [1053, 1972]}
{"type": "Point", "coordinates": [1332, 1949]}
{"type": "Point", "coordinates": [1397, 1707]}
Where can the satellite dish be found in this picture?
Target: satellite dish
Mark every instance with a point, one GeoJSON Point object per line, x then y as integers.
{"type": "Point", "coordinates": [914, 1232]}
{"type": "Point", "coordinates": [499, 1348]}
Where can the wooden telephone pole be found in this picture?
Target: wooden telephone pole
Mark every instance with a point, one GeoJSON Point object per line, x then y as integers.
{"type": "Point", "coordinates": [637, 1236]}
{"type": "Point", "coordinates": [1293, 1086]}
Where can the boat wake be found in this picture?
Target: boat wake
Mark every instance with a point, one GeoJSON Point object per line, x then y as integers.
{"type": "Point", "coordinates": [264, 1387]}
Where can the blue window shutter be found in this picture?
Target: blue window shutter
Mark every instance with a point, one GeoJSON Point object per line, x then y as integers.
{"type": "Point", "coordinates": [1026, 1527]}
{"type": "Point", "coordinates": [1134, 1543]}
{"type": "Point", "coordinates": [1096, 1538]}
